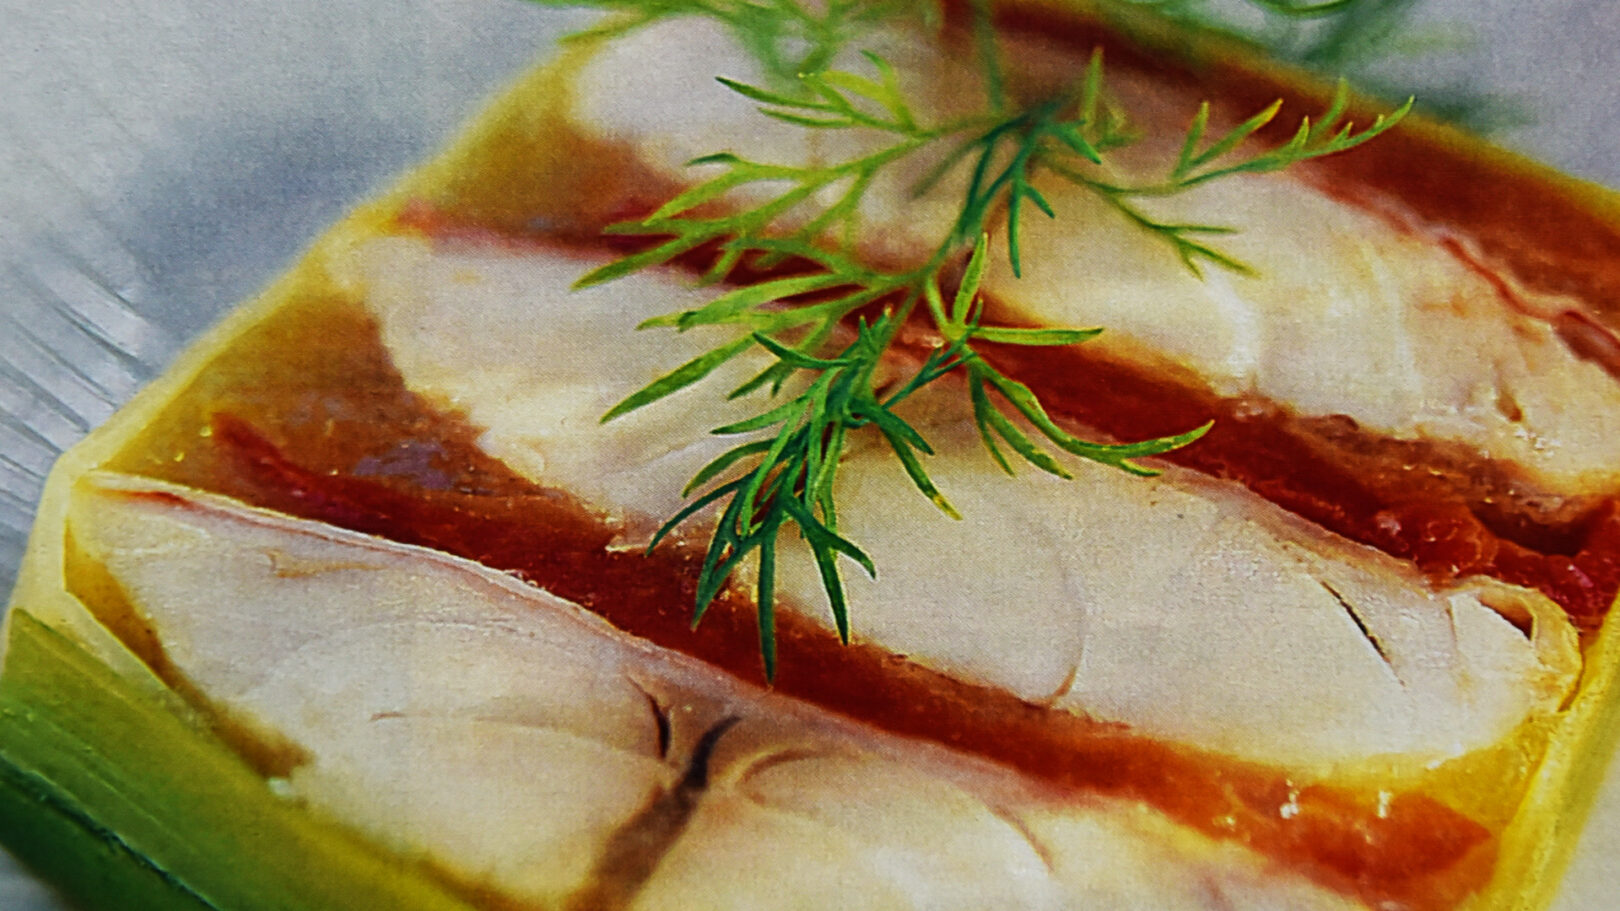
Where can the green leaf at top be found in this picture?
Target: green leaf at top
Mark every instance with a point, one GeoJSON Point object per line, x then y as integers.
{"type": "Point", "coordinates": [679, 378]}
{"type": "Point", "coordinates": [1043, 337]}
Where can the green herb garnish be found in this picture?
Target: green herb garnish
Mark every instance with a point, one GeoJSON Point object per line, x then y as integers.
{"type": "Point", "coordinates": [831, 323]}
{"type": "Point", "coordinates": [1364, 40]}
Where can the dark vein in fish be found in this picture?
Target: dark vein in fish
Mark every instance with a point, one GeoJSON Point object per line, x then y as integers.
{"type": "Point", "coordinates": [635, 850]}
{"type": "Point", "coordinates": [1361, 625]}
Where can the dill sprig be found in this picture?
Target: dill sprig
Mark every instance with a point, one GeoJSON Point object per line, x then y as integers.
{"type": "Point", "coordinates": [1358, 39]}
{"type": "Point", "coordinates": [795, 464]}
{"type": "Point", "coordinates": [786, 37]}
{"type": "Point", "coordinates": [830, 323]}
{"type": "Point", "coordinates": [1326, 34]}
{"type": "Point", "coordinates": [1201, 162]}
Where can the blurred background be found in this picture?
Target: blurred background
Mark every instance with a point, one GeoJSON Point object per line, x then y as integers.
{"type": "Point", "coordinates": [160, 160]}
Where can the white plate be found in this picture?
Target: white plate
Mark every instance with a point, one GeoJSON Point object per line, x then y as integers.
{"type": "Point", "coordinates": [161, 159]}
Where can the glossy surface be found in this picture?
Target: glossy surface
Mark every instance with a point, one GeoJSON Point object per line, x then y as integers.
{"type": "Point", "coordinates": [174, 155]}
{"type": "Point", "coordinates": [700, 772]}
{"type": "Point", "coordinates": [1085, 608]}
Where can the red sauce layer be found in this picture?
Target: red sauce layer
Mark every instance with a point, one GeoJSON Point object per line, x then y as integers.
{"type": "Point", "coordinates": [1403, 504]}
{"type": "Point", "coordinates": [1408, 849]}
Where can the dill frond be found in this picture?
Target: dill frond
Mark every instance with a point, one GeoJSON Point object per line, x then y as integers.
{"type": "Point", "coordinates": [831, 325]}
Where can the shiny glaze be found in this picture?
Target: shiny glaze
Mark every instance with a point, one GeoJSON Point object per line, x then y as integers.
{"type": "Point", "coordinates": [333, 435]}
{"type": "Point", "coordinates": [307, 417]}
{"type": "Point", "coordinates": [1402, 847]}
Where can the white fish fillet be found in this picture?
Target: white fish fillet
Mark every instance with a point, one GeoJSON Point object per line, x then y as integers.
{"type": "Point", "coordinates": [1188, 609]}
{"type": "Point", "coordinates": [655, 90]}
{"type": "Point", "coordinates": [506, 736]}
{"type": "Point", "coordinates": [1345, 315]}
{"type": "Point", "coordinates": [1349, 313]}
